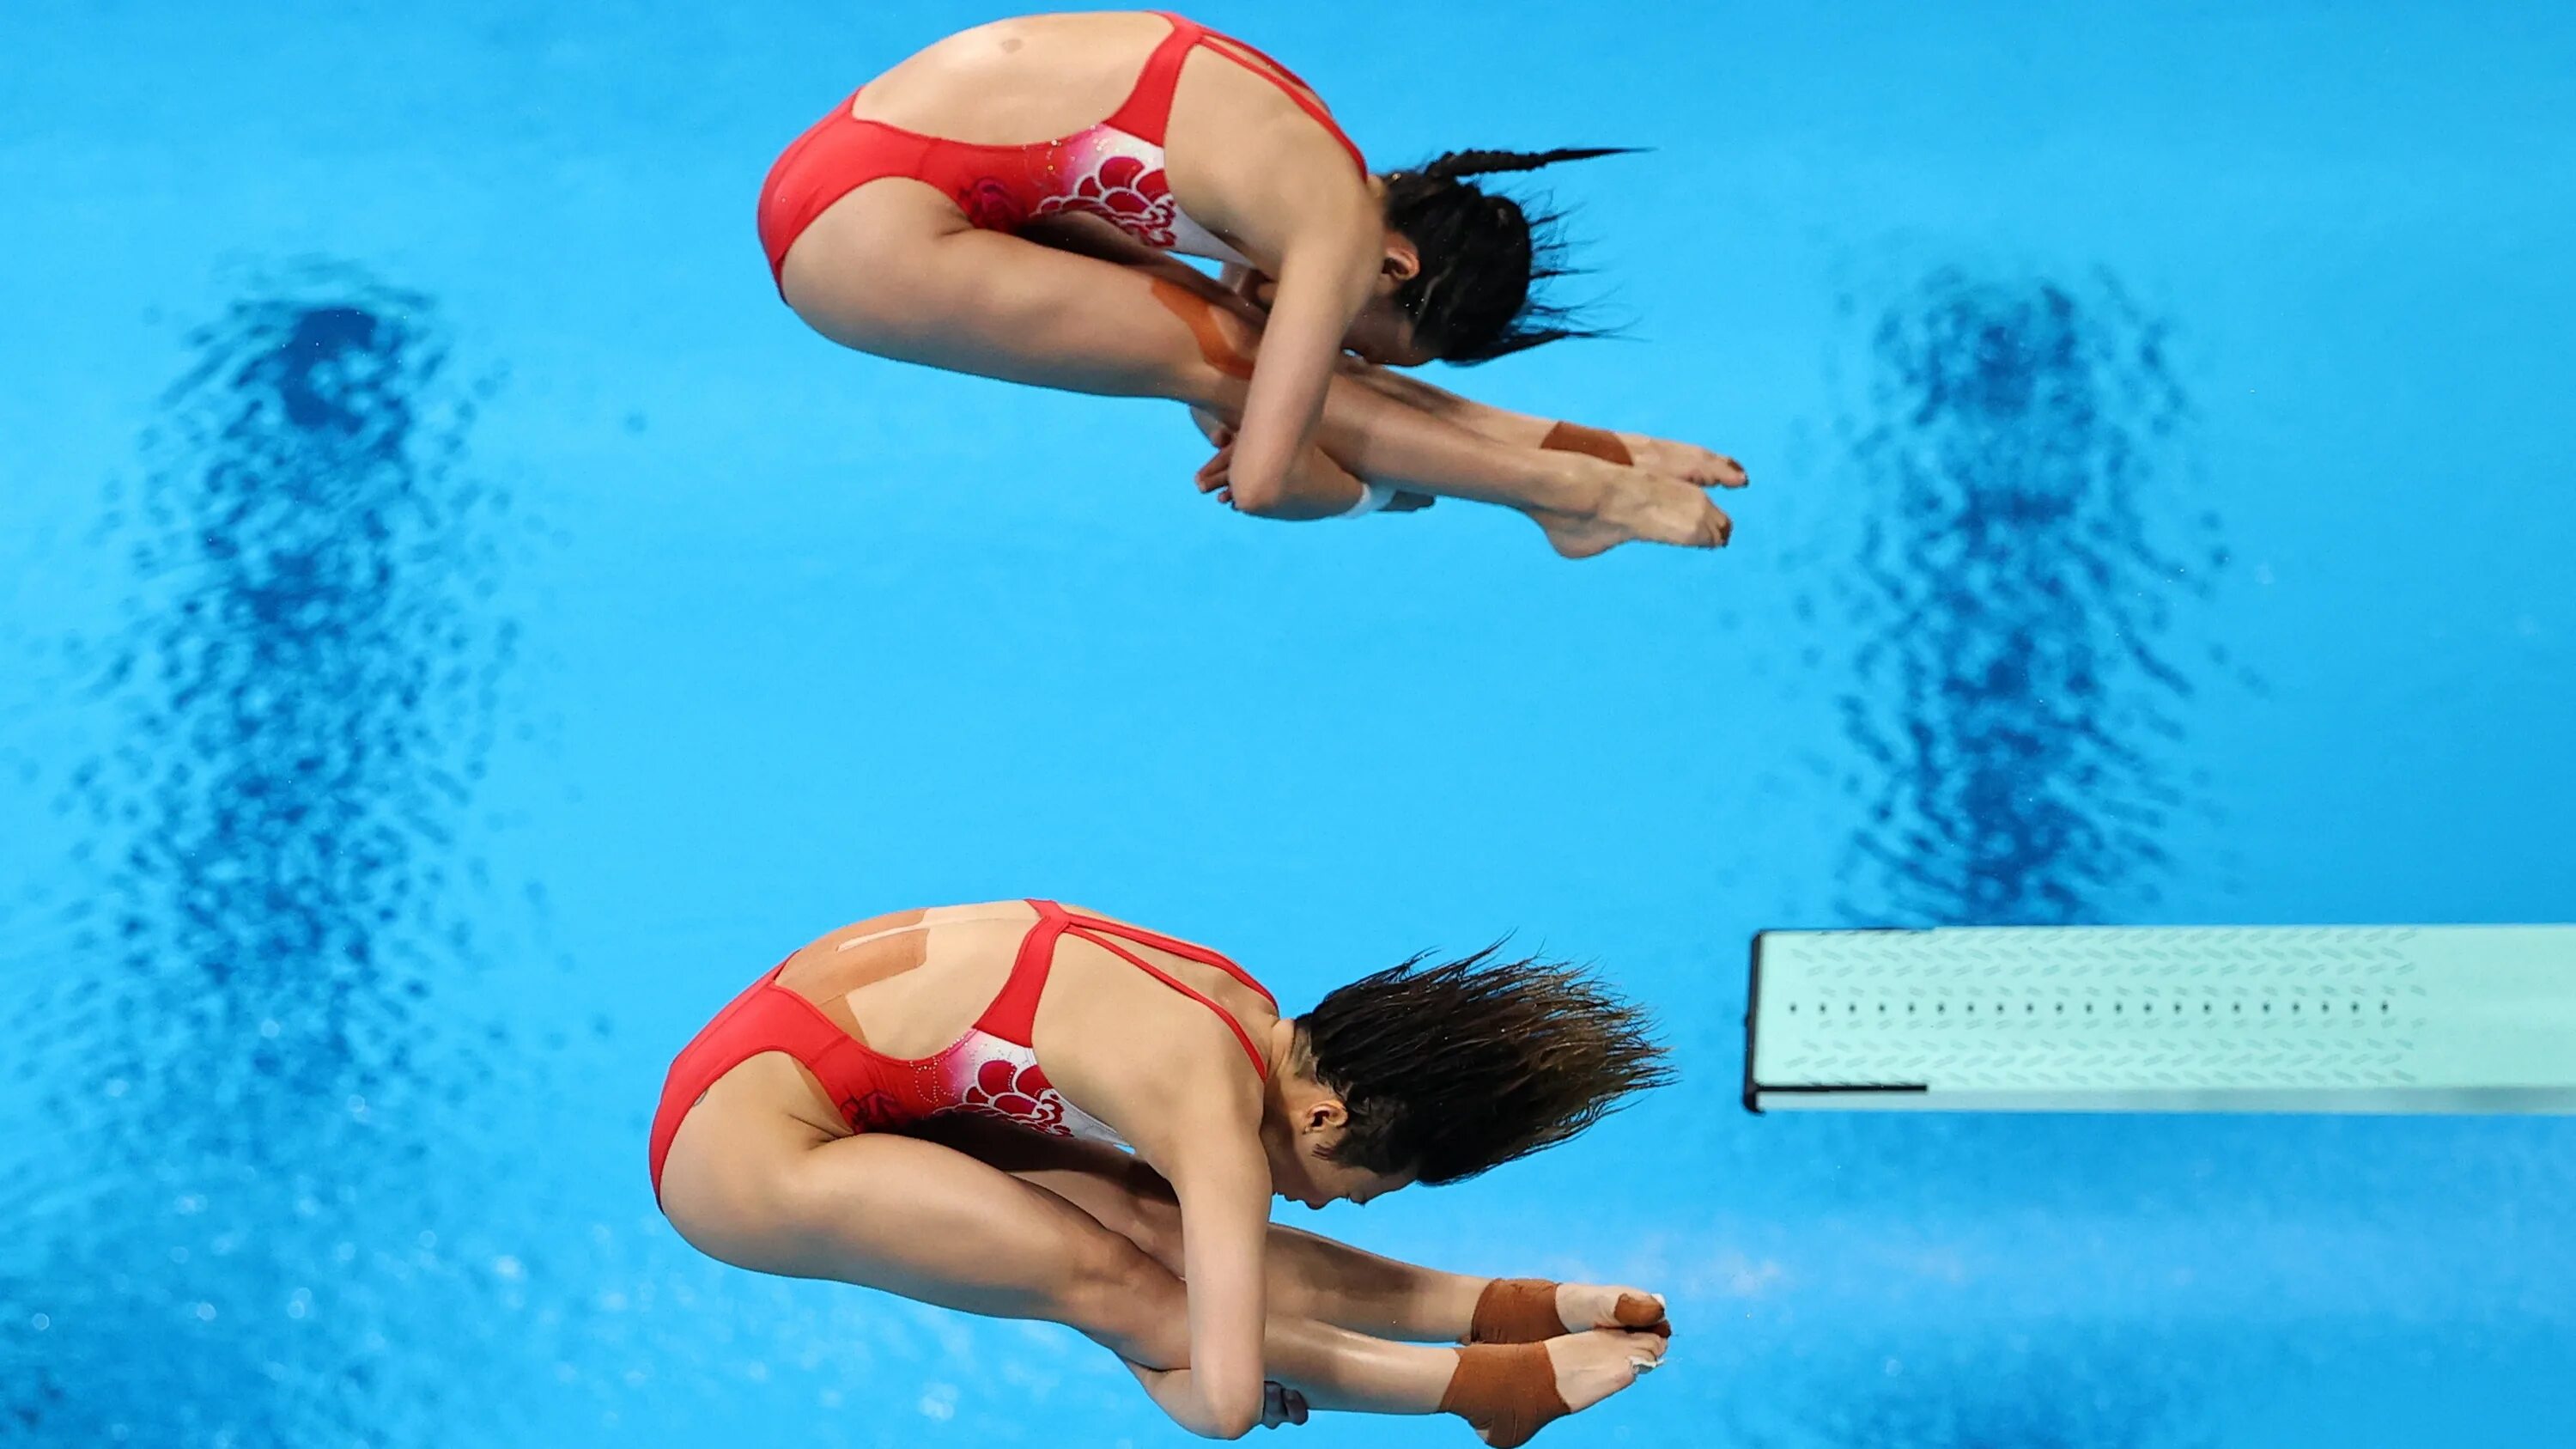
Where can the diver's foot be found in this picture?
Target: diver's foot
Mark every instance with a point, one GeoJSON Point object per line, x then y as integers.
{"type": "Point", "coordinates": [1588, 1368]}
{"type": "Point", "coordinates": [1596, 1363]}
{"type": "Point", "coordinates": [1574, 536]}
{"type": "Point", "coordinates": [1689, 462]}
{"type": "Point", "coordinates": [1596, 1305]}
{"type": "Point", "coordinates": [1637, 506]}
{"type": "Point", "coordinates": [1534, 1310]}
{"type": "Point", "coordinates": [1509, 1391]}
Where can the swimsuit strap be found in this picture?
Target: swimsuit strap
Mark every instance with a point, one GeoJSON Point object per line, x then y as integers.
{"type": "Point", "coordinates": [1294, 86]}
{"type": "Point", "coordinates": [1183, 949]}
{"type": "Point", "coordinates": [1013, 1014]}
{"type": "Point", "coordinates": [1259, 1066]}
{"type": "Point", "coordinates": [1148, 111]}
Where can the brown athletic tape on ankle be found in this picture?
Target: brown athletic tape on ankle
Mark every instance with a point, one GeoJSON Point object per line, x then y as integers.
{"type": "Point", "coordinates": [1199, 315]}
{"type": "Point", "coordinates": [1516, 1310]}
{"type": "Point", "coordinates": [1576, 438]}
{"type": "Point", "coordinates": [1506, 1390]}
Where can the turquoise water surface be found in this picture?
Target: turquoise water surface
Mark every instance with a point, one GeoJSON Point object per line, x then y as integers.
{"type": "Point", "coordinates": [456, 628]}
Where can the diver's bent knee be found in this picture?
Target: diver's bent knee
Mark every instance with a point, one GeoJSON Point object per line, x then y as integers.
{"type": "Point", "coordinates": [746, 1220]}
{"type": "Point", "coordinates": [719, 1228]}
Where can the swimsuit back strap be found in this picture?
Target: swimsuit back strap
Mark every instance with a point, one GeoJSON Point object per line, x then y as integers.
{"type": "Point", "coordinates": [1013, 1014]}
{"type": "Point", "coordinates": [1259, 1066]}
{"type": "Point", "coordinates": [1138, 935]}
{"type": "Point", "coordinates": [1295, 88]}
{"type": "Point", "coordinates": [1148, 111]}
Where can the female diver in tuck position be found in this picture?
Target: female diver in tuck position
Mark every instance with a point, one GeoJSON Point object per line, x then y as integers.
{"type": "Point", "coordinates": [971, 210]}
{"type": "Point", "coordinates": [926, 1103]}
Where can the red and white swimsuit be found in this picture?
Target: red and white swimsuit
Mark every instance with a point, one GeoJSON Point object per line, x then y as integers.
{"type": "Point", "coordinates": [991, 1071]}
{"type": "Point", "coordinates": [1112, 170]}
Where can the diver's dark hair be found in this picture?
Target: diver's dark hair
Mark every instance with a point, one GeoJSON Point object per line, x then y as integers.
{"type": "Point", "coordinates": [1480, 255]}
{"type": "Point", "coordinates": [1450, 1069]}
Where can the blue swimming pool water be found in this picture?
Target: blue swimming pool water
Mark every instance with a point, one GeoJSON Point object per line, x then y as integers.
{"type": "Point", "coordinates": [455, 627]}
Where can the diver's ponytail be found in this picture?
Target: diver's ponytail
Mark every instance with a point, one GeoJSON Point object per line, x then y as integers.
{"type": "Point", "coordinates": [1470, 300]}
{"type": "Point", "coordinates": [1456, 164]}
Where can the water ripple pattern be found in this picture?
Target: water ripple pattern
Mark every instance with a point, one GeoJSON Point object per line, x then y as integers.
{"type": "Point", "coordinates": [2017, 695]}
{"type": "Point", "coordinates": [236, 1235]}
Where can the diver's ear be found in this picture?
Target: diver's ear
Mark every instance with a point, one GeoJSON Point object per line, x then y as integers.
{"type": "Point", "coordinates": [1402, 262]}
{"type": "Point", "coordinates": [1324, 1114]}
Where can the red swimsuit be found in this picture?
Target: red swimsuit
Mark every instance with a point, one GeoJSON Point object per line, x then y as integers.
{"type": "Point", "coordinates": [1112, 170]}
{"type": "Point", "coordinates": [991, 1071]}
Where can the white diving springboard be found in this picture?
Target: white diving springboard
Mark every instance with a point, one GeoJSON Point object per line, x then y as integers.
{"type": "Point", "coordinates": [2164, 1019]}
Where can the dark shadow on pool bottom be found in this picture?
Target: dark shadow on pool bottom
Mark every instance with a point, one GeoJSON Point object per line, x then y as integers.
{"type": "Point", "coordinates": [248, 1226]}
{"type": "Point", "coordinates": [2022, 681]}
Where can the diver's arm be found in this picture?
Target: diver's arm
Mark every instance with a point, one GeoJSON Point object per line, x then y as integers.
{"type": "Point", "coordinates": [1325, 277]}
{"type": "Point", "coordinates": [1519, 430]}
{"type": "Point", "coordinates": [1196, 1111]}
{"type": "Point", "coordinates": [1318, 487]}
{"type": "Point", "coordinates": [1164, 1074]}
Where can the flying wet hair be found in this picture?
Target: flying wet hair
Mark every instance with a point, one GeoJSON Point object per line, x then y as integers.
{"type": "Point", "coordinates": [1450, 1069]}
{"type": "Point", "coordinates": [1481, 255]}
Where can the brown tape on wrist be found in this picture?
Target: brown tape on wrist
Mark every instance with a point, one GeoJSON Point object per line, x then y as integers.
{"type": "Point", "coordinates": [1576, 438]}
{"type": "Point", "coordinates": [1506, 1390]}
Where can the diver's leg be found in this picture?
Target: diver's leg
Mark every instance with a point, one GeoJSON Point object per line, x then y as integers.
{"type": "Point", "coordinates": [755, 1187]}
{"type": "Point", "coordinates": [894, 270]}
{"type": "Point", "coordinates": [1310, 1276]}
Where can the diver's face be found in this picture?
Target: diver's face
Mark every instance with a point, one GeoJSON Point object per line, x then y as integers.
{"type": "Point", "coordinates": [1310, 1123]}
{"type": "Point", "coordinates": [1384, 335]}
{"type": "Point", "coordinates": [1315, 1181]}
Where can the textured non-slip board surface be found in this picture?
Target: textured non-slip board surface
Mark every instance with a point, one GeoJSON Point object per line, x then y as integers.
{"type": "Point", "coordinates": [2165, 1019]}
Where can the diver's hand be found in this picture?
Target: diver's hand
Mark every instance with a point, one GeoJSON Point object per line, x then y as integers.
{"type": "Point", "coordinates": [1281, 1404]}
{"type": "Point", "coordinates": [1215, 475]}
